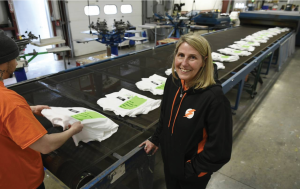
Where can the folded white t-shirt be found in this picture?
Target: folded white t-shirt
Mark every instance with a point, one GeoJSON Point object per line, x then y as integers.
{"type": "Point", "coordinates": [223, 58]}
{"type": "Point", "coordinates": [234, 52]}
{"type": "Point", "coordinates": [95, 125]}
{"type": "Point", "coordinates": [254, 44]}
{"type": "Point", "coordinates": [219, 65]}
{"type": "Point", "coordinates": [168, 71]}
{"type": "Point", "coordinates": [242, 47]}
{"type": "Point", "coordinates": [155, 84]}
{"type": "Point", "coordinates": [278, 29]}
{"type": "Point", "coordinates": [255, 39]}
{"type": "Point", "coordinates": [263, 34]}
{"type": "Point", "coordinates": [274, 31]}
{"type": "Point", "coordinates": [128, 103]}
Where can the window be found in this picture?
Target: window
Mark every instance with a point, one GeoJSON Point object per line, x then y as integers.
{"type": "Point", "coordinates": [91, 10]}
{"type": "Point", "coordinates": [110, 9]}
{"type": "Point", "coordinates": [126, 9]}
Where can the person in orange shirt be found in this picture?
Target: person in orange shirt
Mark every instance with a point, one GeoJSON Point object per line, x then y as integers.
{"type": "Point", "coordinates": [22, 137]}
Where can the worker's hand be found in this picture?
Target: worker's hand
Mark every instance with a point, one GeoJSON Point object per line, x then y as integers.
{"type": "Point", "coordinates": [149, 146]}
{"type": "Point", "coordinates": [76, 127]}
{"type": "Point", "coordinates": [38, 109]}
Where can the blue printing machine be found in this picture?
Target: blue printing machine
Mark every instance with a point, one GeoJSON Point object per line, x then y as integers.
{"type": "Point", "coordinates": [212, 19]}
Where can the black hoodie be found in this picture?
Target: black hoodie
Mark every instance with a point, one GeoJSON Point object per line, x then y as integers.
{"type": "Point", "coordinates": [199, 140]}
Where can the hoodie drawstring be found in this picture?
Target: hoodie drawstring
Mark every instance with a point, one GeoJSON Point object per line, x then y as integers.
{"type": "Point", "coordinates": [172, 107]}
{"type": "Point", "coordinates": [177, 113]}
{"type": "Point", "coordinates": [177, 110]}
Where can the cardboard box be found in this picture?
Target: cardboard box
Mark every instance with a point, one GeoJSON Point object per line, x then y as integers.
{"type": "Point", "coordinates": [91, 59]}
{"type": "Point", "coordinates": [165, 41]}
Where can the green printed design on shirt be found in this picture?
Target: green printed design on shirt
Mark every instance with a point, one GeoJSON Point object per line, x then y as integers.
{"type": "Point", "coordinates": [245, 46]}
{"type": "Point", "coordinates": [161, 87]}
{"type": "Point", "coordinates": [237, 51]}
{"type": "Point", "coordinates": [88, 115]}
{"type": "Point", "coordinates": [250, 43]}
{"type": "Point", "coordinates": [133, 103]}
{"type": "Point", "coordinates": [225, 56]}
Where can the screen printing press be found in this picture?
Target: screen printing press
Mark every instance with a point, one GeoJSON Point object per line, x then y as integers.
{"type": "Point", "coordinates": [104, 164]}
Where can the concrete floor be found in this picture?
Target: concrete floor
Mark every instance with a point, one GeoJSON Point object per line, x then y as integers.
{"type": "Point", "coordinates": [266, 136]}
{"type": "Point", "coordinates": [266, 146]}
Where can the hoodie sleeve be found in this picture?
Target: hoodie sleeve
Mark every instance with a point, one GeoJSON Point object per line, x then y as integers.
{"type": "Point", "coordinates": [155, 137]}
{"type": "Point", "coordinates": [217, 149]}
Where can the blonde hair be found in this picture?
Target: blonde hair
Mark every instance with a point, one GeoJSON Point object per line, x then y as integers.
{"type": "Point", "coordinates": [205, 75]}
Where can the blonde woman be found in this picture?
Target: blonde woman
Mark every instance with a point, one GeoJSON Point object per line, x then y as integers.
{"type": "Point", "coordinates": [195, 125]}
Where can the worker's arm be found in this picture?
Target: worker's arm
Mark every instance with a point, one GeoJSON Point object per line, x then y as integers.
{"type": "Point", "coordinates": [50, 142]}
{"type": "Point", "coordinates": [38, 109]}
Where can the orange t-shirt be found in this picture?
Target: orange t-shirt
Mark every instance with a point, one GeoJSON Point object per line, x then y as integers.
{"type": "Point", "coordinates": [20, 166]}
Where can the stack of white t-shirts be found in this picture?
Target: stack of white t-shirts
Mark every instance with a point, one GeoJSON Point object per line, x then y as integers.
{"type": "Point", "coordinates": [223, 58]}
{"type": "Point", "coordinates": [261, 36]}
{"type": "Point", "coordinates": [285, 29]}
{"type": "Point", "coordinates": [278, 29]}
{"type": "Point", "coordinates": [155, 84]}
{"type": "Point", "coordinates": [95, 125]}
{"type": "Point", "coordinates": [242, 47]}
{"type": "Point", "coordinates": [265, 33]}
{"type": "Point", "coordinates": [254, 44]}
{"type": "Point", "coordinates": [234, 52]}
{"type": "Point", "coordinates": [255, 39]}
{"type": "Point", "coordinates": [128, 103]}
{"type": "Point", "coordinates": [219, 65]}
{"type": "Point", "coordinates": [168, 71]}
{"type": "Point", "coordinates": [274, 31]}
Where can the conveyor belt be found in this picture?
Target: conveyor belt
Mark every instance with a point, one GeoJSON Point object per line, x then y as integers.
{"type": "Point", "coordinates": [224, 39]}
{"type": "Point", "coordinates": [83, 87]}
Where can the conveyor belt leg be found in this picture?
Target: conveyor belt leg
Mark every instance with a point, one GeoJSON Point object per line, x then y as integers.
{"type": "Point", "coordinates": [256, 80]}
{"type": "Point", "coordinates": [269, 63]}
{"type": "Point", "coordinates": [238, 97]}
{"type": "Point", "coordinates": [145, 174]}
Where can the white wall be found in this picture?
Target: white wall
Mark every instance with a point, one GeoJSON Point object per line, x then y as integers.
{"type": "Point", "coordinates": [80, 22]}
{"type": "Point", "coordinates": [200, 4]}
{"type": "Point", "coordinates": [295, 2]}
{"type": "Point", "coordinates": [32, 16]}
{"type": "Point", "coordinates": [241, 1]}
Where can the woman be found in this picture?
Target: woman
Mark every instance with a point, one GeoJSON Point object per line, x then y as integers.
{"type": "Point", "coordinates": [195, 125]}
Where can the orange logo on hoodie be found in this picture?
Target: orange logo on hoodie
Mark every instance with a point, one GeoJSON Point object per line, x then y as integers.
{"type": "Point", "coordinates": [189, 113]}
